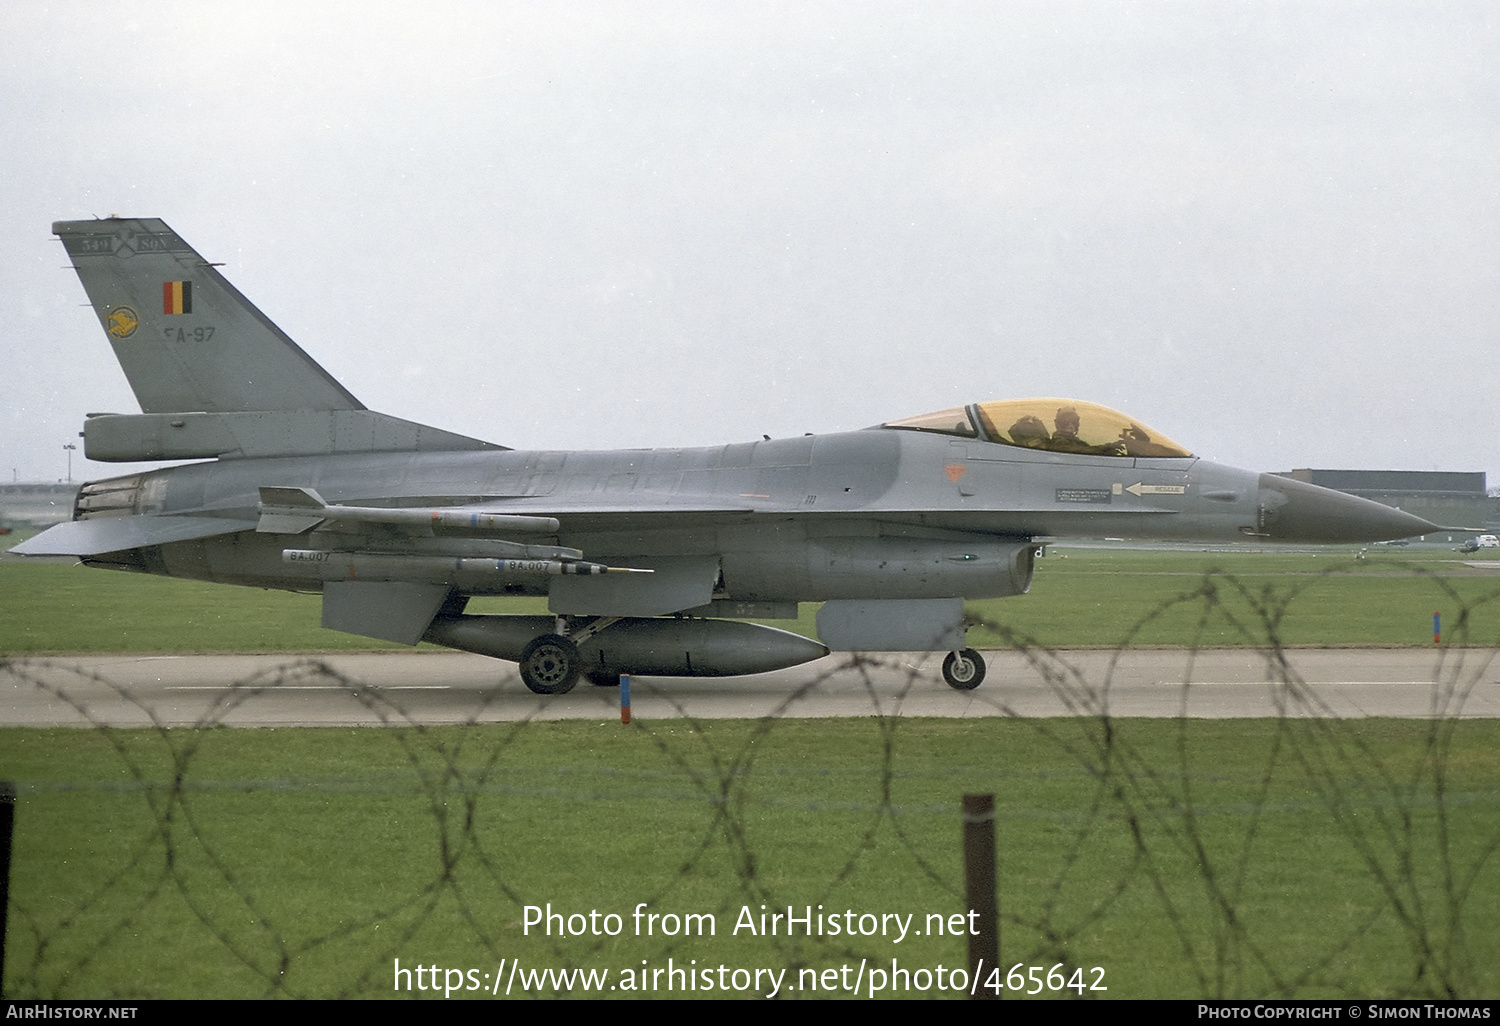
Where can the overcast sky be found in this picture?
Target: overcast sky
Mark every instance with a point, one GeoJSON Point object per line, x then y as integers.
{"type": "Point", "coordinates": [1270, 231]}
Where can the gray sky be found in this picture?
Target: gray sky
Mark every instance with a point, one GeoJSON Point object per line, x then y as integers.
{"type": "Point", "coordinates": [1270, 231]}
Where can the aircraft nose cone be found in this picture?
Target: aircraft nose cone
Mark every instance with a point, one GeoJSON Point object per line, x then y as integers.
{"type": "Point", "coordinates": [1297, 511]}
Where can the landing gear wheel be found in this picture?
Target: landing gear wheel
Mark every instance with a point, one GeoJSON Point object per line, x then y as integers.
{"type": "Point", "coordinates": [603, 678]}
{"type": "Point", "coordinates": [549, 665]}
{"type": "Point", "coordinates": [964, 671]}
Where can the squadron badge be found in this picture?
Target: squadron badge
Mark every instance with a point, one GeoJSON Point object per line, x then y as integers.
{"type": "Point", "coordinates": [121, 322]}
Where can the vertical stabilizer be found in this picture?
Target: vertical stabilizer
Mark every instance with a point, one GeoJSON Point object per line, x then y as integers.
{"type": "Point", "coordinates": [186, 339]}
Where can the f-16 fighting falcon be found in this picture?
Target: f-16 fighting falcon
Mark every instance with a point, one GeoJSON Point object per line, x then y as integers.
{"type": "Point", "coordinates": [647, 558]}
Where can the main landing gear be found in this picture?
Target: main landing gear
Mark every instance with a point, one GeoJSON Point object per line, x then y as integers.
{"type": "Point", "coordinates": [964, 671]}
{"type": "Point", "coordinates": [550, 664]}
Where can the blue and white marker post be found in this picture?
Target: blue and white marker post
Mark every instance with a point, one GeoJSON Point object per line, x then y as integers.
{"type": "Point", "coordinates": [624, 698]}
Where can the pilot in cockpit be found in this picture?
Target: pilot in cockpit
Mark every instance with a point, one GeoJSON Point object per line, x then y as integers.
{"type": "Point", "coordinates": [1065, 437]}
{"type": "Point", "coordinates": [1030, 432]}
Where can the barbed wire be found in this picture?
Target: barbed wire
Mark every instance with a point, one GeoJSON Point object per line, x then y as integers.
{"type": "Point", "coordinates": [1182, 838]}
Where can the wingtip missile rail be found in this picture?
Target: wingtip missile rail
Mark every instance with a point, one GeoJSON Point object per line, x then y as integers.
{"type": "Point", "coordinates": [295, 510]}
{"type": "Point", "coordinates": [378, 566]}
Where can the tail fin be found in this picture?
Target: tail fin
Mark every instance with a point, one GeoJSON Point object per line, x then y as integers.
{"type": "Point", "coordinates": [186, 339]}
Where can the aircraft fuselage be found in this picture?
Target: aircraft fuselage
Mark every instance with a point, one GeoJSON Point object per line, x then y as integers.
{"type": "Point", "coordinates": [791, 519]}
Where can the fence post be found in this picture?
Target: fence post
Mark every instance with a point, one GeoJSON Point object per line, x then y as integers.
{"type": "Point", "coordinates": [979, 888]}
{"type": "Point", "coordinates": [7, 827]}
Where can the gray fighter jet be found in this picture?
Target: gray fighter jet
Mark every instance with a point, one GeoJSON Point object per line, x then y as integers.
{"type": "Point", "coordinates": [645, 557]}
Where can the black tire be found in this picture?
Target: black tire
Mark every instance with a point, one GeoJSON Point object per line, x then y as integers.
{"type": "Point", "coordinates": [549, 665]}
{"type": "Point", "coordinates": [964, 671]}
{"type": "Point", "coordinates": [603, 678]}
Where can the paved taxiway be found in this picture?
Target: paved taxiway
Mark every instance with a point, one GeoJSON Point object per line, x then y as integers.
{"type": "Point", "coordinates": [443, 687]}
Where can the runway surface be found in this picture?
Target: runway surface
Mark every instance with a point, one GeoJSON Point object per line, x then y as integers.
{"type": "Point", "coordinates": [446, 687]}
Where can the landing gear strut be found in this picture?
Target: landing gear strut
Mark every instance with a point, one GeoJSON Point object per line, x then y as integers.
{"type": "Point", "coordinates": [964, 671]}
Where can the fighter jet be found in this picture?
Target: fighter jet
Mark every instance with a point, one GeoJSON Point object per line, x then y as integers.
{"type": "Point", "coordinates": [650, 560]}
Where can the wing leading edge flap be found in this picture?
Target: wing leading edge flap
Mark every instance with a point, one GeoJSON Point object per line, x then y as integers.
{"type": "Point", "coordinates": [116, 534]}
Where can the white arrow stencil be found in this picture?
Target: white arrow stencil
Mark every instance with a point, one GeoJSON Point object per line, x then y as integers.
{"type": "Point", "coordinates": [1144, 489]}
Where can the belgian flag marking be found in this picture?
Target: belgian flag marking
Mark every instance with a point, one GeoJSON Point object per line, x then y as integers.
{"type": "Point", "coordinates": [176, 297]}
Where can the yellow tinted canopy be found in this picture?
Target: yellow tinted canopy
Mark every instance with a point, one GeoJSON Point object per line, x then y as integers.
{"type": "Point", "coordinates": [1057, 425]}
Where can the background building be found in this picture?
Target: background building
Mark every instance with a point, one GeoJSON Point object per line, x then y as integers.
{"type": "Point", "coordinates": [36, 505]}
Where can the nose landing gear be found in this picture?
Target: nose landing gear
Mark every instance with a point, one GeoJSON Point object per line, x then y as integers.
{"type": "Point", "coordinates": [964, 671]}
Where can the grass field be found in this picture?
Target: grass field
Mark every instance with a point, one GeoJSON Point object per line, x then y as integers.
{"type": "Point", "coordinates": [1184, 859]}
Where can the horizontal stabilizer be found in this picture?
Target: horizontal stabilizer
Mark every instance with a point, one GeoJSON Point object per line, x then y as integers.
{"type": "Point", "coordinates": [116, 534]}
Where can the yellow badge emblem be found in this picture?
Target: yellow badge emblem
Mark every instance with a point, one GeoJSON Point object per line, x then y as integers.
{"type": "Point", "coordinates": [122, 322]}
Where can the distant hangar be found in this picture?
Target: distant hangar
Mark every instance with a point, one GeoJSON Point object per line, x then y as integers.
{"type": "Point", "coordinates": [36, 505]}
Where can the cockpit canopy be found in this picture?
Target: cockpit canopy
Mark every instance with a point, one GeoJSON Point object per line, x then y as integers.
{"type": "Point", "coordinates": [1056, 425]}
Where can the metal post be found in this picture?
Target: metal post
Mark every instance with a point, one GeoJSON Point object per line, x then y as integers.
{"type": "Point", "coordinates": [979, 888]}
{"type": "Point", "coordinates": [624, 698]}
{"type": "Point", "coordinates": [7, 827]}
